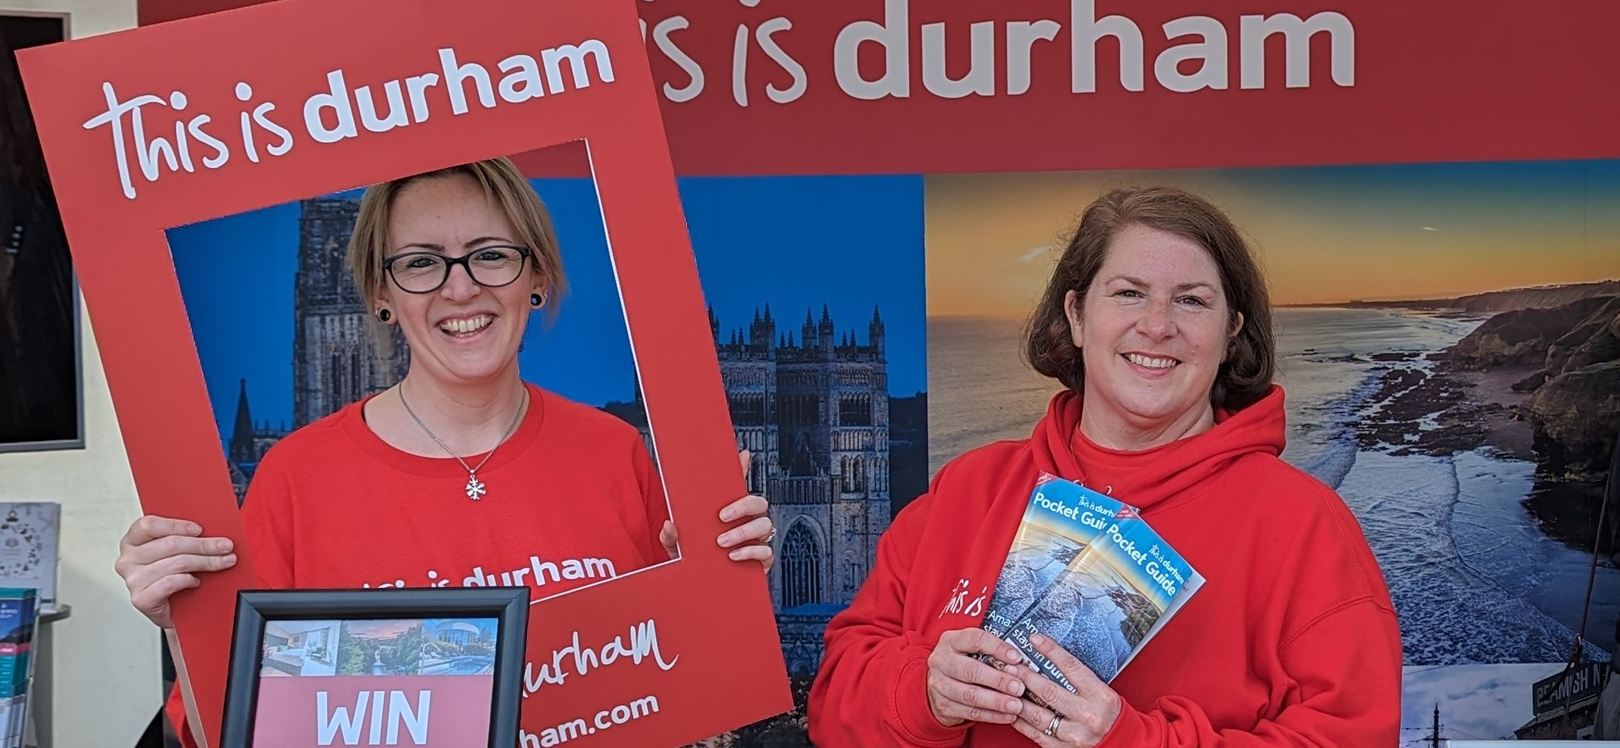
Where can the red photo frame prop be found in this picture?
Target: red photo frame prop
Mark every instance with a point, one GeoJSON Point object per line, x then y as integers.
{"type": "Point", "coordinates": [208, 86]}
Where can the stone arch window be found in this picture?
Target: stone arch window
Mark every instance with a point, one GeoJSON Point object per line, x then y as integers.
{"type": "Point", "coordinates": [801, 567]}
{"type": "Point", "coordinates": [855, 410]}
{"type": "Point", "coordinates": [803, 459]}
{"type": "Point", "coordinates": [354, 357]}
{"type": "Point", "coordinates": [334, 377]}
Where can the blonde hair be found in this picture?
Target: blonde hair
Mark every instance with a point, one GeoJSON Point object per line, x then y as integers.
{"type": "Point", "coordinates": [501, 182]}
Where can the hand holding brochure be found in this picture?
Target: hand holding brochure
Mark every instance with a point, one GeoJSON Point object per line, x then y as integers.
{"type": "Point", "coordinates": [1089, 573]}
{"type": "Point", "coordinates": [1061, 520]}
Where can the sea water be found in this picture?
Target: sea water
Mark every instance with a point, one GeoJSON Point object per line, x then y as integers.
{"type": "Point", "coordinates": [1473, 577]}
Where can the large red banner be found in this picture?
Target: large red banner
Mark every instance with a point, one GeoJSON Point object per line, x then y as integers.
{"type": "Point", "coordinates": [903, 86]}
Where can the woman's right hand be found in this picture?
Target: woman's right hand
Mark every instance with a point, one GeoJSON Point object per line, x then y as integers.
{"type": "Point", "coordinates": [159, 557]}
{"type": "Point", "coordinates": [963, 688]}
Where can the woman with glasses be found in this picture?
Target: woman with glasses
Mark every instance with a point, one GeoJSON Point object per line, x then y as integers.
{"type": "Point", "coordinates": [461, 474]}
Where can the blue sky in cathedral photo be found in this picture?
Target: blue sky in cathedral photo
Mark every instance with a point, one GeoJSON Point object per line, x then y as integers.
{"type": "Point", "coordinates": [795, 243]}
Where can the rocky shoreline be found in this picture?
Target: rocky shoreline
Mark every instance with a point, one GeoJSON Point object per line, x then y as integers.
{"type": "Point", "coordinates": [1540, 384]}
{"type": "Point", "coordinates": [1572, 357]}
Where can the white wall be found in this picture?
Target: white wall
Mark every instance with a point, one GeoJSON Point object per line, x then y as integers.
{"type": "Point", "coordinates": [106, 681]}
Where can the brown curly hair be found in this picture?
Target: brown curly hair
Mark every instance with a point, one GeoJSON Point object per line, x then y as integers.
{"type": "Point", "coordinates": [1245, 374]}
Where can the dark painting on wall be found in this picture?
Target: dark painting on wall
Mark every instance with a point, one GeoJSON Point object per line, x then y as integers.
{"type": "Point", "coordinates": [41, 401]}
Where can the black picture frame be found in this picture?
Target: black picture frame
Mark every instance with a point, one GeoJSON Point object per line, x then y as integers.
{"type": "Point", "coordinates": [255, 609]}
{"type": "Point", "coordinates": [41, 337]}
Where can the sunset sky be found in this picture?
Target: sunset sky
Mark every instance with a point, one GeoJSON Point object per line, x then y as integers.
{"type": "Point", "coordinates": [379, 629]}
{"type": "Point", "coordinates": [1325, 234]}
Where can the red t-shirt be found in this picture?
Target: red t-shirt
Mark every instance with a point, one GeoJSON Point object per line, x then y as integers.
{"type": "Point", "coordinates": [572, 498]}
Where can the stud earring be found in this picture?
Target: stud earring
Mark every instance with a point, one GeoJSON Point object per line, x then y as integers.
{"type": "Point", "coordinates": [536, 300]}
{"type": "Point", "coordinates": [384, 315]}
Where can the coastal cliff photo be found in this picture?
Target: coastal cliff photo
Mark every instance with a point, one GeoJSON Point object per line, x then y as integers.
{"type": "Point", "coordinates": [1449, 343]}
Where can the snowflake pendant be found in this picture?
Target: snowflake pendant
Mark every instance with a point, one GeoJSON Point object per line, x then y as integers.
{"type": "Point", "coordinates": [475, 489]}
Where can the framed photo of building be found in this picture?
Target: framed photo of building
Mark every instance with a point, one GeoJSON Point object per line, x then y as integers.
{"type": "Point", "coordinates": [425, 667]}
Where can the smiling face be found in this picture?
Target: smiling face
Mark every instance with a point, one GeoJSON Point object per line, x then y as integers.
{"type": "Point", "coordinates": [1152, 328]}
{"type": "Point", "coordinates": [463, 333]}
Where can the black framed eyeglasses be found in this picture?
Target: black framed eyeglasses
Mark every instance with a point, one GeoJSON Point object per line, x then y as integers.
{"type": "Point", "coordinates": [491, 266]}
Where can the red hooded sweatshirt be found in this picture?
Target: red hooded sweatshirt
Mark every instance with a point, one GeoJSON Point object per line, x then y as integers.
{"type": "Point", "coordinates": [1292, 641]}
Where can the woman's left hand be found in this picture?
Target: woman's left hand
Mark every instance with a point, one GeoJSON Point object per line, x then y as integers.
{"type": "Point", "coordinates": [751, 540]}
{"type": "Point", "coordinates": [1087, 716]}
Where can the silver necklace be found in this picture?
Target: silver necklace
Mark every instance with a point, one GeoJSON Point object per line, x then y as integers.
{"type": "Point", "coordinates": [475, 488]}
